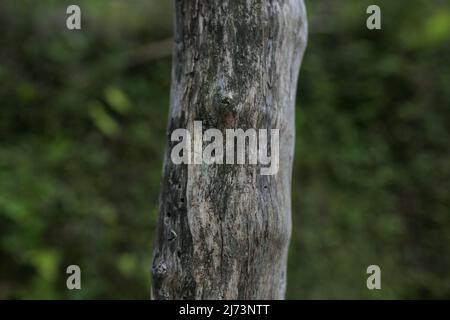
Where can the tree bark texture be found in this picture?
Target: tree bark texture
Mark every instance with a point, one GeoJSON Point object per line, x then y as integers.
{"type": "Point", "coordinates": [223, 230]}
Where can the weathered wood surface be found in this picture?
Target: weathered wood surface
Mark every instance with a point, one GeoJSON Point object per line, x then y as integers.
{"type": "Point", "coordinates": [223, 230]}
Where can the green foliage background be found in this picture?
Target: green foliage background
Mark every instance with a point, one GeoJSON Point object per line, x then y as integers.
{"type": "Point", "coordinates": [82, 125]}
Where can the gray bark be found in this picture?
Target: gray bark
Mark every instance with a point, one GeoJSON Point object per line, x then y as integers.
{"type": "Point", "coordinates": [223, 230]}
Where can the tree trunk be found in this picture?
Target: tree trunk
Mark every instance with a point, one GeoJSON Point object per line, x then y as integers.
{"type": "Point", "coordinates": [223, 230]}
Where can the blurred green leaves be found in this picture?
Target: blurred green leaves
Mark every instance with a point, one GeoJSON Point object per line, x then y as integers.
{"type": "Point", "coordinates": [102, 120]}
{"type": "Point", "coordinates": [437, 28]}
{"type": "Point", "coordinates": [80, 147]}
{"type": "Point", "coordinates": [117, 100]}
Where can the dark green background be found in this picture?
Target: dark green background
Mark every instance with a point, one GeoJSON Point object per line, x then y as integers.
{"type": "Point", "coordinates": [82, 124]}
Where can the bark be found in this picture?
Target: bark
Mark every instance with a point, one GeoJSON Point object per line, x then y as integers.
{"type": "Point", "coordinates": [223, 230]}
